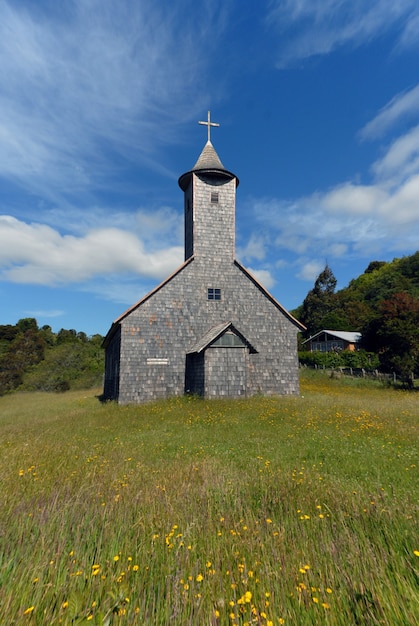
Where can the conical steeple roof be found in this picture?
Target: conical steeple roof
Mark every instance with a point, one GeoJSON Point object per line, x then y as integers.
{"type": "Point", "coordinates": [208, 159]}
{"type": "Point", "coordinates": [209, 163]}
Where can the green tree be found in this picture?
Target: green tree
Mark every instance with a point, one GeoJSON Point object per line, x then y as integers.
{"type": "Point", "coordinates": [319, 302]}
{"type": "Point", "coordinates": [394, 335]}
{"type": "Point", "coordinates": [25, 350]}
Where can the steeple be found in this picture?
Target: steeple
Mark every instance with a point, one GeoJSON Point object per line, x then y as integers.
{"type": "Point", "coordinates": [208, 159]}
{"type": "Point", "coordinates": [208, 163]}
{"type": "Point", "coordinates": [210, 203]}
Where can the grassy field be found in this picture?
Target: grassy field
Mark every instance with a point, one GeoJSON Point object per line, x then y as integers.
{"type": "Point", "coordinates": [262, 511]}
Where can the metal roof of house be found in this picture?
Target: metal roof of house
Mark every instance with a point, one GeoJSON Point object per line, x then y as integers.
{"type": "Point", "coordinates": [349, 336]}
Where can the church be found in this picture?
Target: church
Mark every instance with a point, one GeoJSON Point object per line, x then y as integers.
{"type": "Point", "coordinates": [211, 328]}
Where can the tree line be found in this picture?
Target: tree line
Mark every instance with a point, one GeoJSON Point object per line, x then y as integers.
{"type": "Point", "coordinates": [37, 359]}
{"type": "Point", "coordinates": [382, 304]}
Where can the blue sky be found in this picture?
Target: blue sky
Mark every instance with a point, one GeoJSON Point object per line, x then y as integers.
{"type": "Point", "coordinates": [318, 106]}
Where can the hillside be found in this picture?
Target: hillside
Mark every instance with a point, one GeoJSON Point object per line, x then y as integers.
{"type": "Point", "coordinates": [382, 303]}
{"type": "Point", "coordinates": [36, 359]}
{"type": "Point", "coordinates": [352, 307]}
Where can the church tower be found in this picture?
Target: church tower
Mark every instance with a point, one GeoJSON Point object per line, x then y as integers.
{"type": "Point", "coordinates": [210, 328]}
{"type": "Point", "coordinates": [210, 207]}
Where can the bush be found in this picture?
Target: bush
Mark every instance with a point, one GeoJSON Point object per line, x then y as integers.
{"type": "Point", "coordinates": [345, 358]}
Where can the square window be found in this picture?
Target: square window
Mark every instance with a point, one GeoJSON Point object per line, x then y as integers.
{"type": "Point", "coordinates": [214, 294]}
{"type": "Point", "coordinates": [214, 197]}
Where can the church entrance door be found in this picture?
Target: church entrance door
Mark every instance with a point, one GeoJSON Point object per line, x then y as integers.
{"type": "Point", "coordinates": [226, 372]}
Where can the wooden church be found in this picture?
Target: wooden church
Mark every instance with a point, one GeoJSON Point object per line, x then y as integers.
{"type": "Point", "coordinates": [210, 328]}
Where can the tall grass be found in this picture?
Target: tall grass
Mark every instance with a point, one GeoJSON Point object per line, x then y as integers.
{"type": "Point", "coordinates": [261, 511]}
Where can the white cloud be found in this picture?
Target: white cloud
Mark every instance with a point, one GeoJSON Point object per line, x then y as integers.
{"type": "Point", "coordinates": [351, 219]}
{"type": "Point", "coordinates": [46, 313]}
{"type": "Point", "coordinates": [401, 159]}
{"type": "Point", "coordinates": [263, 276]}
{"type": "Point", "coordinates": [160, 223]}
{"type": "Point", "coordinates": [310, 270]}
{"type": "Point", "coordinates": [314, 27]}
{"type": "Point", "coordinates": [351, 199]}
{"type": "Point", "coordinates": [38, 254]}
{"type": "Point", "coordinates": [254, 249]}
{"type": "Point", "coordinates": [402, 106]}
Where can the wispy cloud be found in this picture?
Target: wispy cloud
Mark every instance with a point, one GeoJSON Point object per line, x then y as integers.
{"type": "Point", "coordinates": [315, 27]}
{"type": "Point", "coordinates": [84, 79]}
{"type": "Point", "coordinates": [401, 160]}
{"type": "Point", "coordinates": [49, 313]}
{"type": "Point", "coordinates": [404, 106]}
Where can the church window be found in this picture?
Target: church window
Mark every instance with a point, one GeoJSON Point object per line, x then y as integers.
{"type": "Point", "coordinates": [214, 197]}
{"type": "Point", "coordinates": [214, 294]}
{"type": "Point", "coordinates": [228, 340]}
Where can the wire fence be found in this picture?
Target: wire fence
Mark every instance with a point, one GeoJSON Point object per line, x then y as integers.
{"type": "Point", "coordinates": [358, 372]}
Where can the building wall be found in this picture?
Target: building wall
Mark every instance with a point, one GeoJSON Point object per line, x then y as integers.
{"type": "Point", "coordinates": [156, 337]}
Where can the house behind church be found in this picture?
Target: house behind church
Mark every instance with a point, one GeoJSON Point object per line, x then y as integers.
{"type": "Point", "coordinates": [210, 328]}
{"type": "Point", "coordinates": [333, 340]}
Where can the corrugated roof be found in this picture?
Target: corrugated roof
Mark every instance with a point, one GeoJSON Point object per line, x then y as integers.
{"type": "Point", "coordinates": [346, 335]}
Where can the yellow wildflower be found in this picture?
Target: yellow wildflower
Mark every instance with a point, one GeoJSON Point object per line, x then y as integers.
{"type": "Point", "coordinates": [28, 610]}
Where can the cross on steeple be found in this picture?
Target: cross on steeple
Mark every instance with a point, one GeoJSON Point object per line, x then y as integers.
{"type": "Point", "coordinates": [209, 124]}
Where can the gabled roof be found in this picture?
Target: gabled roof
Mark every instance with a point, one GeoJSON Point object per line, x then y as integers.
{"type": "Point", "coordinates": [215, 333]}
{"type": "Point", "coordinates": [132, 308]}
{"type": "Point", "coordinates": [349, 336]}
{"type": "Point", "coordinates": [269, 296]}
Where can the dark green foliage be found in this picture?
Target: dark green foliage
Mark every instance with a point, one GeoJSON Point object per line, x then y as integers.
{"type": "Point", "coordinates": [38, 359]}
{"type": "Point", "coordinates": [353, 307]}
{"type": "Point", "coordinates": [359, 359]}
{"type": "Point", "coordinates": [319, 302]}
{"type": "Point", "coordinates": [21, 349]}
{"type": "Point", "coordinates": [394, 334]}
{"type": "Point", "coordinates": [381, 303]}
